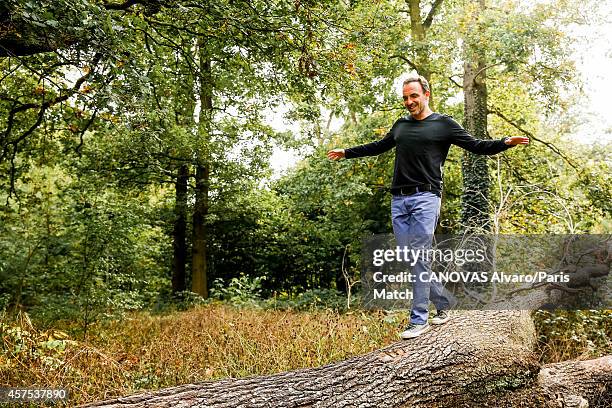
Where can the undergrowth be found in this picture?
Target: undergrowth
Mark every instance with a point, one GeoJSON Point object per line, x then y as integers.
{"type": "Point", "coordinates": [144, 351]}
{"type": "Point", "coordinates": [573, 334]}
{"type": "Point", "coordinates": [234, 334]}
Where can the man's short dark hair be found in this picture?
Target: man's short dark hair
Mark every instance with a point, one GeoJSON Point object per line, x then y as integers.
{"type": "Point", "coordinates": [421, 80]}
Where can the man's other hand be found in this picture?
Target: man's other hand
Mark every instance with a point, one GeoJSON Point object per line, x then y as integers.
{"type": "Point", "coordinates": [515, 140]}
{"type": "Point", "coordinates": [335, 154]}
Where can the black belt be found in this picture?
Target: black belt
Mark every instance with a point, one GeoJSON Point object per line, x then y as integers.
{"type": "Point", "coordinates": [414, 189]}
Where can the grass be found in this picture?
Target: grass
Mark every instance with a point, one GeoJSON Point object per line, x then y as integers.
{"type": "Point", "coordinates": [205, 343]}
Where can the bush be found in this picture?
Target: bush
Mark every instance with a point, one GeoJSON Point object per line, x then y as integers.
{"type": "Point", "coordinates": [240, 291]}
{"type": "Point", "coordinates": [573, 334]}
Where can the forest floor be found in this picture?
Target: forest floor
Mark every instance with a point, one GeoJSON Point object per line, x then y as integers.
{"type": "Point", "coordinates": [143, 351]}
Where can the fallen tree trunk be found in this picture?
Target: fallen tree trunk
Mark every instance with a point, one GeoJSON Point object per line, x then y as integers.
{"type": "Point", "coordinates": [579, 383]}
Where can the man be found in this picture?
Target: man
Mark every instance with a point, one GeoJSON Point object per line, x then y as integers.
{"type": "Point", "coordinates": [422, 140]}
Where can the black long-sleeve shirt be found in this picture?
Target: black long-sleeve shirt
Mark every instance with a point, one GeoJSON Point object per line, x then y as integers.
{"type": "Point", "coordinates": [421, 147]}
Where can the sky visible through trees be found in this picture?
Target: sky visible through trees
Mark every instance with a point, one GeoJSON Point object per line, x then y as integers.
{"type": "Point", "coordinates": [594, 61]}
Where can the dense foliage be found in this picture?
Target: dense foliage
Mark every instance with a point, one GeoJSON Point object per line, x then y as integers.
{"type": "Point", "coordinates": [97, 123]}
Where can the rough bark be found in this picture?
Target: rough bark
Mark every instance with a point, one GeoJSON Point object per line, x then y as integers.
{"type": "Point", "coordinates": [476, 180]}
{"type": "Point", "coordinates": [570, 384]}
{"type": "Point", "coordinates": [579, 383]}
{"type": "Point", "coordinates": [446, 362]}
{"type": "Point", "coordinates": [180, 230]}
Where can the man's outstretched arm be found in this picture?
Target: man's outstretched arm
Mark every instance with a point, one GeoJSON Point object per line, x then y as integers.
{"type": "Point", "coordinates": [461, 138]}
{"type": "Point", "coordinates": [368, 149]}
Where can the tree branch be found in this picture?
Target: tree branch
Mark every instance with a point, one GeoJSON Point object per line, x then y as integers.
{"type": "Point", "coordinates": [6, 143]}
{"type": "Point", "coordinates": [406, 60]}
{"type": "Point", "coordinates": [82, 131]}
{"type": "Point", "coordinates": [551, 146]}
{"type": "Point", "coordinates": [455, 82]}
{"type": "Point", "coordinates": [481, 70]}
{"type": "Point", "coordinates": [56, 100]}
{"type": "Point", "coordinates": [434, 9]}
{"type": "Point", "coordinates": [125, 5]}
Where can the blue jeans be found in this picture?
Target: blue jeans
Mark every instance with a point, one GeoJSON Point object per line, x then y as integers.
{"type": "Point", "coordinates": [414, 220]}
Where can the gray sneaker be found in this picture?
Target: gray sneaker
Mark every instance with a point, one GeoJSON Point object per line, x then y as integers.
{"type": "Point", "coordinates": [415, 330]}
{"type": "Point", "coordinates": [441, 317]}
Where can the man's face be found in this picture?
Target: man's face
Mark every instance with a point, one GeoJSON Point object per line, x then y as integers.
{"type": "Point", "coordinates": [415, 100]}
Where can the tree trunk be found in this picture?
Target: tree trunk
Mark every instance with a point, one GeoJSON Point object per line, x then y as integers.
{"type": "Point", "coordinates": [477, 359]}
{"type": "Point", "coordinates": [199, 251]}
{"type": "Point", "coordinates": [475, 169]}
{"type": "Point", "coordinates": [418, 34]}
{"type": "Point", "coordinates": [180, 231]}
{"type": "Point", "coordinates": [199, 260]}
{"type": "Point", "coordinates": [579, 383]}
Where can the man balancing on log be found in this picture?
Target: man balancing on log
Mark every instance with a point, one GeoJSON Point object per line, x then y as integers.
{"type": "Point", "coordinates": [421, 140]}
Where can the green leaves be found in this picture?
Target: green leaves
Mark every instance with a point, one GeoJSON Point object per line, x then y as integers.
{"type": "Point", "coordinates": [87, 229]}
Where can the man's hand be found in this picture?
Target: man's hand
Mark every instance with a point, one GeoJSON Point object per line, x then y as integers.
{"type": "Point", "coordinates": [335, 154]}
{"type": "Point", "coordinates": [515, 140]}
